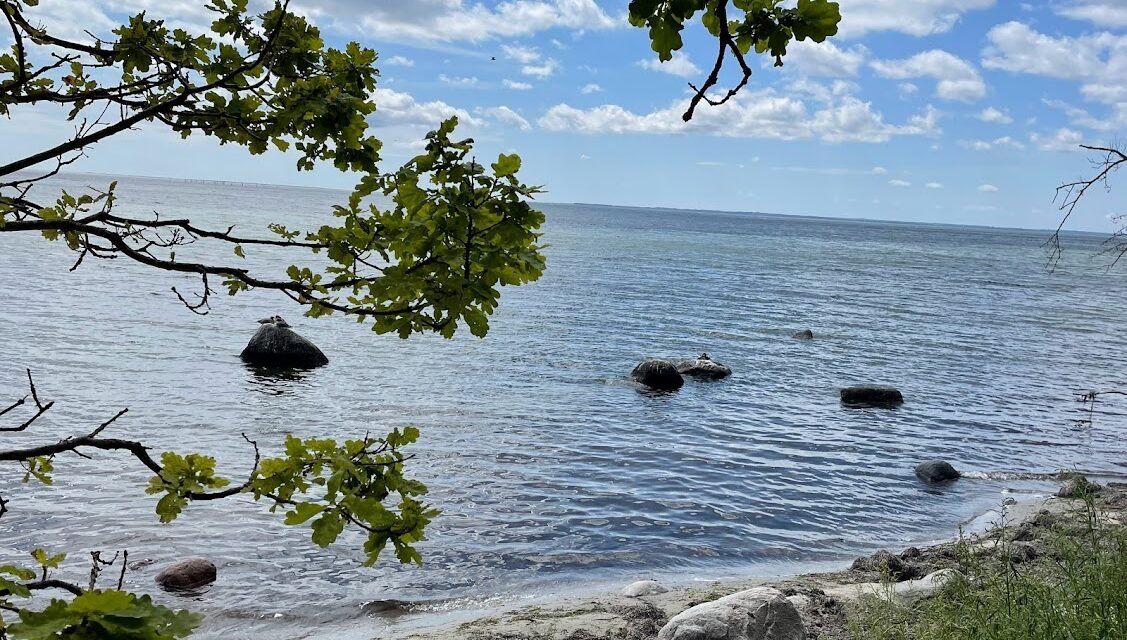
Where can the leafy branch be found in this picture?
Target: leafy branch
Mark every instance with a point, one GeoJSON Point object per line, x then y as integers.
{"type": "Point", "coordinates": [767, 26]}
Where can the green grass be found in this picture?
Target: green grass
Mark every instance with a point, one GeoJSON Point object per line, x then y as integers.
{"type": "Point", "coordinates": [1076, 589]}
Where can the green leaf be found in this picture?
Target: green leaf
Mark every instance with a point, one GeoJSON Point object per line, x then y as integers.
{"type": "Point", "coordinates": [506, 165]}
{"type": "Point", "coordinates": [302, 512]}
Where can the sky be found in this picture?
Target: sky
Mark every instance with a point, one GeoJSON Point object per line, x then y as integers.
{"type": "Point", "coordinates": [951, 111]}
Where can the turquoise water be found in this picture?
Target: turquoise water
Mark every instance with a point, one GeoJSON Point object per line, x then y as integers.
{"type": "Point", "coordinates": [553, 470]}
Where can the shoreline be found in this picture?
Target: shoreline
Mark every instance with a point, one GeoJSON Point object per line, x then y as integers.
{"type": "Point", "coordinates": [599, 612]}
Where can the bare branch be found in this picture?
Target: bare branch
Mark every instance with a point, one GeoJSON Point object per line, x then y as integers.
{"type": "Point", "coordinates": [1070, 194]}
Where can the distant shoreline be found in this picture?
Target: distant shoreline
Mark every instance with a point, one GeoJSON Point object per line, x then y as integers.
{"type": "Point", "coordinates": [342, 190]}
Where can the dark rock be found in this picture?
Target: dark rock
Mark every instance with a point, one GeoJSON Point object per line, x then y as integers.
{"type": "Point", "coordinates": [275, 344]}
{"type": "Point", "coordinates": [805, 334]}
{"type": "Point", "coordinates": [1024, 532]}
{"type": "Point", "coordinates": [703, 367]}
{"type": "Point", "coordinates": [1020, 553]}
{"type": "Point", "coordinates": [187, 574]}
{"type": "Point", "coordinates": [872, 396]}
{"type": "Point", "coordinates": [885, 563]}
{"type": "Point", "coordinates": [911, 552]}
{"type": "Point", "coordinates": [658, 374]}
{"type": "Point", "coordinates": [936, 471]}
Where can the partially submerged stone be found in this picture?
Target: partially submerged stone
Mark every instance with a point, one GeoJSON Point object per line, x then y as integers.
{"type": "Point", "coordinates": [805, 334]}
{"type": "Point", "coordinates": [703, 367]}
{"type": "Point", "coordinates": [762, 613]}
{"type": "Point", "coordinates": [643, 588]}
{"type": "Point", "coordinates": [275, 344]}
{"type": "Point", "coordinates": [658, 374]}
{"type": "Point", "coordinates": [872, 396]}
{"type": "Point", "coordinates": [936, 471]}
{"type": "Point", "coordinates": [187, 574]}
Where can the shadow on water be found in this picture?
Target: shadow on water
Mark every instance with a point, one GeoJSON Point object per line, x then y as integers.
{"type": "Point", "coordinates": [276, 381]}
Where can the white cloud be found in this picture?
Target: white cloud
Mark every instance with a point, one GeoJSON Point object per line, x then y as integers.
{"type": "Point", "coordinates": [878, 171]}
{"type": "Point", "coordinates": [590, 88]}
{"type": "Point", "coordinates": [541, 71]}
{"type": "Point", "coordinates": [987, 188]}
{"type": "Point", "coordinates": [457, 81]}
{"type": "Point", "coordinates": [396, 107]}
{"type": "Point", "coordinates": [913, 17]}
{"type": "Point", "coordinates": [505, 115]}
{"type": "Point", "coordinates": [751, 114]}
{"type": "Point", "coordinates": [907, 88]}
{"type": "Point", "coordinates": [1104, 13]}
{"type": "Point", "coordinates": [824, 59]}
{"type": "Point", "coordinates": [1061, 140]}
{"type": "Point", "coordinates": [957, 79]}
{"type": "Point", "coordinates": [429, 21]}
{"type": "Point", "coordinates": [678, 65]}
{"type": "Point", "coordinates": [523, 55]}
{"type": "Point", "coordinates": [516, 86]}
{"type": "Point", "coordinates": [900, 183]}
{"type": "Point", "coordinates": [584, 156]}
{"type": "Point", "coordinates": [1098, 58]}
{"type": "Point", "coordinates": [986, 145]}
{"type": "Point", "coordinates": [399, 61]}
{"type": "Point", "coordinates": [990, 114]}
{"type": "Point", "coordinates": [933, 185]}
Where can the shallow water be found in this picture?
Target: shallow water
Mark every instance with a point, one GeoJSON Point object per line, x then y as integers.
{"type": "Point", "coordinates": [553, 471]}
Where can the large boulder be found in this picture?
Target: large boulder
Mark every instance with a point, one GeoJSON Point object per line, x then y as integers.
{"type": "Point", "coordinates": [187, 574]}
{"type": "Point", "coordinates": [872, 396]}
{"type": "Point", "coordinates": [275, 344]}
{"type": "Point", "coordinates": [935, 471]}
{"type": "Point", "coordinates": [762, 613]}
{"type": "Point", "coordinates": [658, 374]}
{"type": "Point", "coordinates": [703, 367]}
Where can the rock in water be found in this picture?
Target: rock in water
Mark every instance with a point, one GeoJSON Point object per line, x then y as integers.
{"type": "Point", "coordinates": [871, 396]}
{"type": "Point", "coordinates": [275, 344]}
{"type": "Point", "coordinates": [756, 614]}
{"type": "Point", "coordinates": [187, 574]}
{"type": "Point", "coordinates": [643, 588]}
{"type": "Point", "coordinates": [703, 367]}
{"type": "Point", "coordinates": [658, 374]}
{"type": "Point", "coordinates": [936, 471]}
{"type": "Point", "coordinates": [805, 334]}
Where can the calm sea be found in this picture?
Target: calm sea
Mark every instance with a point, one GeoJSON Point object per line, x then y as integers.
{"type": "Point", "coordinates": [553, 471]}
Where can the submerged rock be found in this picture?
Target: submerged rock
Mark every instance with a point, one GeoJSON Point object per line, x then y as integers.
{"type": "Point", "coordinates": [275, 344]}
{"type": "Point", "coordinates": [703, 367]}
{"type": "Point", "coordinates": [643, 588]}
{"type": "Point", "coordinates": [872, 396]}
{"type": "Point", "coordinates": [187, 574]}
{"type": "Point", "coordinates": [936, 471]}
{"type": "Point", "coordinates": [756, 614]}
{"type": "Point", "coordinates": [805, 334]}
{"type": "Point", "coordinates": [658, 374]}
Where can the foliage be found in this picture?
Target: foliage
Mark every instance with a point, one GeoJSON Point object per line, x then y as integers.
{"type": "Point", "coordinates": [436, 258]}
{"type": "Point", "coordinates": [100, 614]}
{"type": "Point", "coordinates": [1077, 592]}
{"type": "Point", "coordinates": [766, 27]}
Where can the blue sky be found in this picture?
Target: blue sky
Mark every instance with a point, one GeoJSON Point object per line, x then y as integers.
{"type": "Point", "coordinates": [955, 111]}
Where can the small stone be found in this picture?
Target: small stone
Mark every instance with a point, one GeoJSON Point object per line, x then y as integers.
{"type": "Point", "coordinates": [805, 334]}
{"type": "Point", "coordinates": [643, 588]}
{"type": "Point", "coordinates": [872, 396]}
{"type": "Point", "coordinates": [1078, 487]}
{"type": "Point", "coordinates": [187, 574]}
{"type": "Point", "coordinates": [936, 471]}
{"type": "Point", "coordinates": [911, 552]}
{"type": "Point", "coordinates": [703, 367]}
{"type": "Point", "coordinates": [658, 374]}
